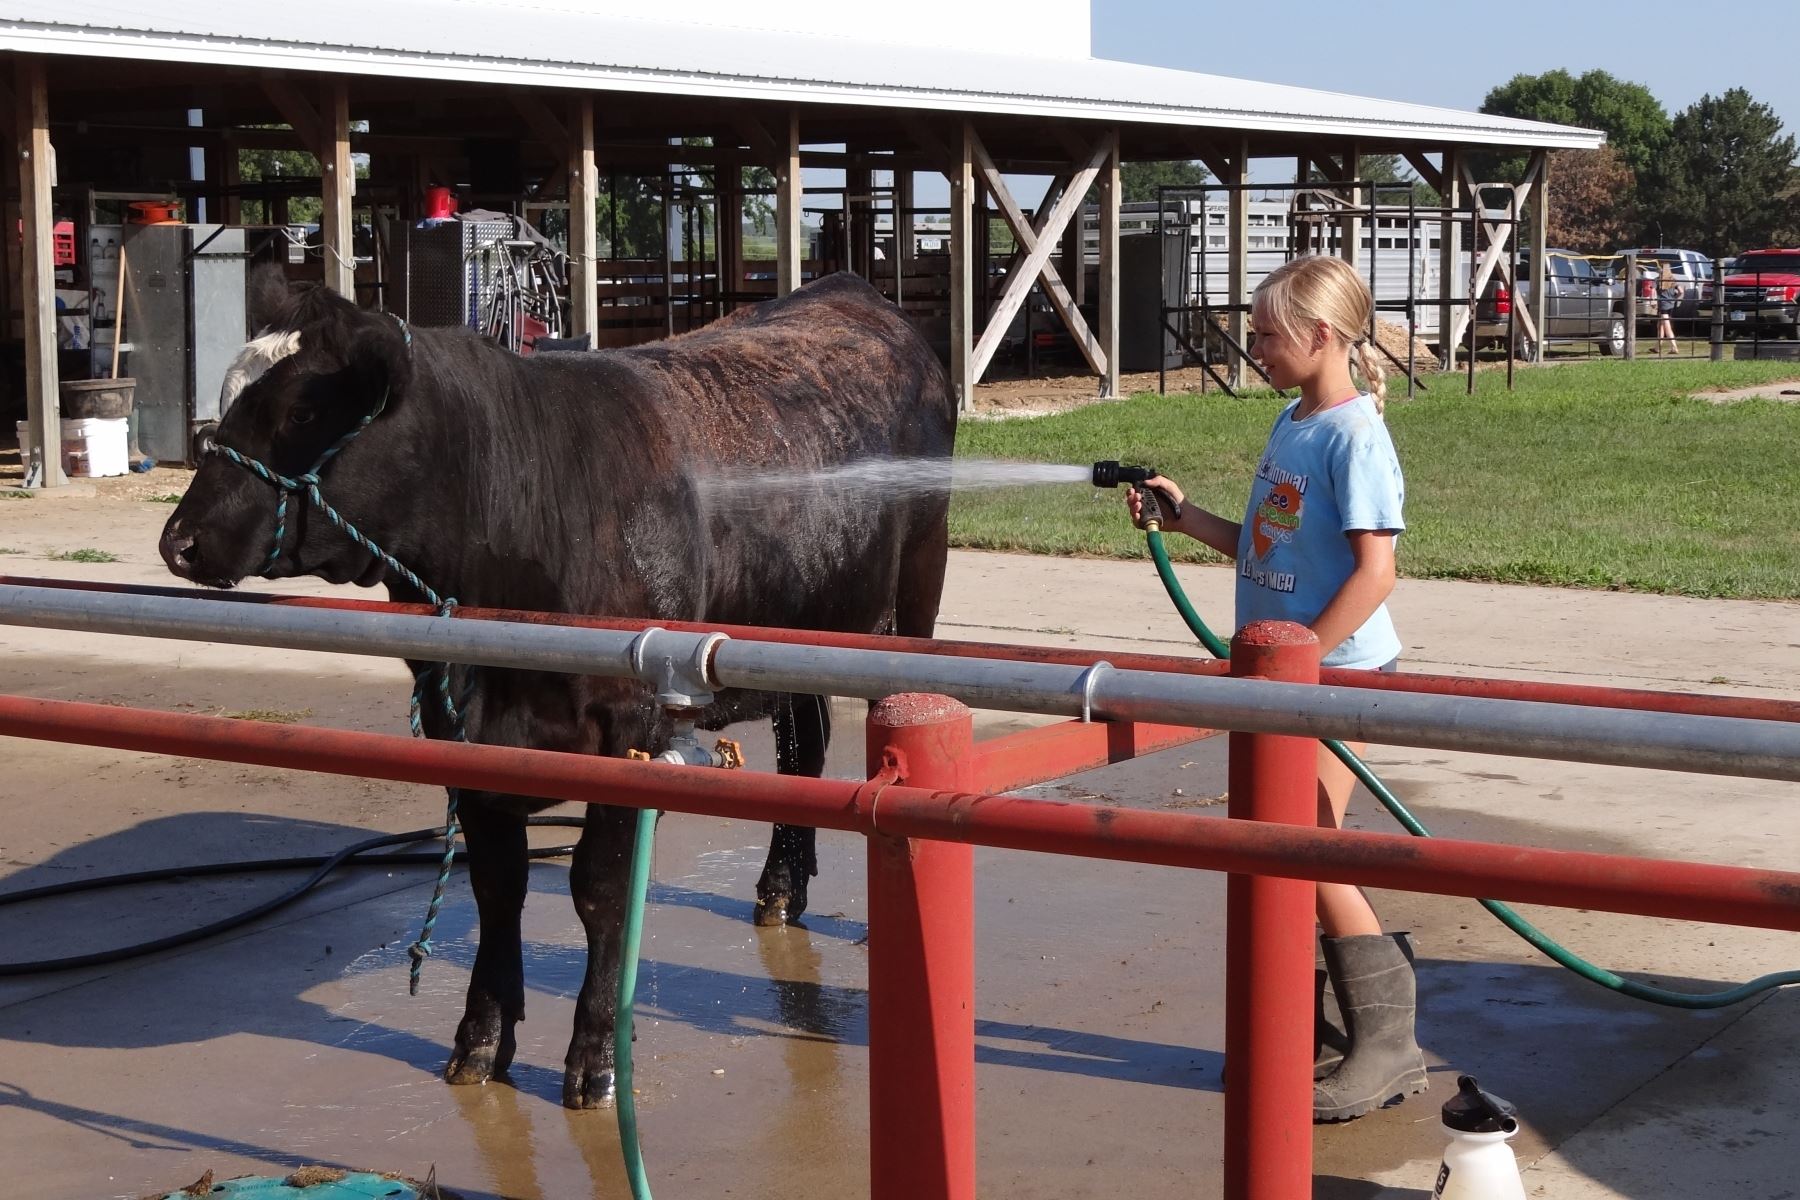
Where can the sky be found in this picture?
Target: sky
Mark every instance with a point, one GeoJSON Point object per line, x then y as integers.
{"type": "Point", "coordinates": [1447, 53]}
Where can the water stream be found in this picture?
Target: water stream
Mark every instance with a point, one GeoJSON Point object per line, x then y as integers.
{"type": "Point", "coordinates": [894, 477]}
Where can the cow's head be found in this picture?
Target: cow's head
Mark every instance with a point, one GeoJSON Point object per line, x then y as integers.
{"type": "Point", "coordinates": [317, 367]}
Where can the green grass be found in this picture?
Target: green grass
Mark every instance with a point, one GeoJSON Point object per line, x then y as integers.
{"type": "Point", "coordinates": [165, 498]}
{"type": "Point", "coordinates": [16, 494]}
{"type": "Point", "coordinates": [10, 550]}
{"type": "Point", "coordinates": [84, 555]}
{"type": "Point", "coordinates": [1600, 475]}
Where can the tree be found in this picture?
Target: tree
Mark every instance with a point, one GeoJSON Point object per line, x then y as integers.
{"type": "Point", "coordinates": [1727, 180]}
{"type": "Point", "coordinates": [1590, 210]}
{"type": "Point", "coordinates": [1633, 120]}
{"type": "Point", "coordinates": [1140, 180]}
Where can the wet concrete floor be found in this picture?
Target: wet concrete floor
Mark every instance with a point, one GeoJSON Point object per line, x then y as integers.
{"type": "Point", "coordinates": [1099, 1005]}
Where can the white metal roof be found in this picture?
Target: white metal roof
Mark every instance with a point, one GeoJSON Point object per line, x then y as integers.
{"type": "Point", "coordinates": [527, 44]}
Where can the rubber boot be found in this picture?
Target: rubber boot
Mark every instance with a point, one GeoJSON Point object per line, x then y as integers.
{"type": "Point", "coordinates": [1330, 1042]}
{"type": "Point", "coordinates": [1373, 977]}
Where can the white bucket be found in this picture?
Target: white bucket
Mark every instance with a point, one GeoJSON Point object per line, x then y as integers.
{"type": "Point", "coordinates": [91, 447]}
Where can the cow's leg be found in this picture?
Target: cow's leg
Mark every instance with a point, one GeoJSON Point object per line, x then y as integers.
{"type": "Point", "coordinates": [599, 878]}
{"type": "Point", "coordinates": [920, 585]}
{"type": "Point", "coordinates": [802, 731]}
{"type": "Point", "coordinates": [498, 869]}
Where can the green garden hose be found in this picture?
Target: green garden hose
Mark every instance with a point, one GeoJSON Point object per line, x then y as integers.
{"type": "Point", "coordinates": [628, 965]}
{"type": "Point", "coordinates": [1504, 913]}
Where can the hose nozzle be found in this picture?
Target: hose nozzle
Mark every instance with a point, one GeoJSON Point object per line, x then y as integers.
{"type": "Point", "coordinates": [1111, 473]}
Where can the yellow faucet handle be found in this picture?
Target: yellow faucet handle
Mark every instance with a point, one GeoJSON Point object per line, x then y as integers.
{"type": "Point", "coordinates": [731, 754]}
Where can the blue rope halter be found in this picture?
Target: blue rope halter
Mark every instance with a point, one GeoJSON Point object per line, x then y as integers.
{"type": "Point", "coordinates": [306, 485]}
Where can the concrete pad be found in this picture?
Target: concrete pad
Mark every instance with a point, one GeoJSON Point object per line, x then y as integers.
{"type": "Point", "coordinates": [1100, 989]}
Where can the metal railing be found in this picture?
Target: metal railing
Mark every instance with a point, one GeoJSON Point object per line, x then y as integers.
{"type": "Point", "coordinates": [927, 799]}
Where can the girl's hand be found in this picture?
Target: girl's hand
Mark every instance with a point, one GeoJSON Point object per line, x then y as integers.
{"type": "Point", "coordinates": [1134, 501]}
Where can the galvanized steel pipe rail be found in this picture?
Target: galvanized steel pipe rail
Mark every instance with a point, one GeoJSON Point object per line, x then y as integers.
{"type": "Point", "coordinates": [1667, 741]}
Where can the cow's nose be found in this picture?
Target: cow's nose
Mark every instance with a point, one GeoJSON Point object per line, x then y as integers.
{"type": "Point", "coordinates": [179, 551]}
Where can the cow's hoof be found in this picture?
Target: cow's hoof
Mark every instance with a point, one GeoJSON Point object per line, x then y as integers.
{"type": "Point", "coordinates": [588, 1089]}
{"type": "Point", "coordinates": [478, 1064]}
{"type": "Point", "coordinates": [771, 912]}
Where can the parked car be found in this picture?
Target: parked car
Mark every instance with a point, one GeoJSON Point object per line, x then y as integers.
{"type": "Point", "coordinates": [1582, 303]}
{"type": "Point", "coordinates": [1692, 272]}
{"type": "Point", "coordinates": [1762, 294]}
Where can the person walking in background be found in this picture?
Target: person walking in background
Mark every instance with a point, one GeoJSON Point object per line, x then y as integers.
{"type": "Point", "coordinates": [1316, 546]}
{"type": "Point", "coordinates": [1668, 295]}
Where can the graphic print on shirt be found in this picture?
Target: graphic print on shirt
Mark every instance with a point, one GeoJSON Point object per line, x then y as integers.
{"type": "Point", "coordinates": [1277, 518]}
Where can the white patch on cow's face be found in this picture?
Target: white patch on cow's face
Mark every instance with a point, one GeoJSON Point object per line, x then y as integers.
{"type": "Point", "coordinates": [254, 361]}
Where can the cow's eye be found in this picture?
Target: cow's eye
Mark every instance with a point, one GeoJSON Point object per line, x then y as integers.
{"type": "Point", "coordinates": [300, 415]}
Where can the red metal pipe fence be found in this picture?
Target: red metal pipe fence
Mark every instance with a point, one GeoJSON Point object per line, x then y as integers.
{"type": "Point", "coordinates": [1274, 779]}
{"type": "Point", "coordinates": [928, 801]}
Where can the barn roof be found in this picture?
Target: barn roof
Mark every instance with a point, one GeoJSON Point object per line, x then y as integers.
{"type": "Point", "coordinates": [533, 45]}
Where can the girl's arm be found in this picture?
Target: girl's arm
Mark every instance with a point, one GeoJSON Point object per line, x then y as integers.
{"type": "Point", "coordinates": [1370, 582]}
{"type": "Point", "coordinates": [1196, 522]}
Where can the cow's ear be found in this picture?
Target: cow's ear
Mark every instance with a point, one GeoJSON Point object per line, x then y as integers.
{"type": "Point", "coordinates": [380, 357]}
{"type": "Point", "coordinates": [268, 298]}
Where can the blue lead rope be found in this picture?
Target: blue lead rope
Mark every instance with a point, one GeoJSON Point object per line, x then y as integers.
{"type": "Point", "coordinates": [307, 485]}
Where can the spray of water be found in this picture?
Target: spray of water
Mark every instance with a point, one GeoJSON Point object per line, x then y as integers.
{"type": "Point", "coordinates": [895, 477]}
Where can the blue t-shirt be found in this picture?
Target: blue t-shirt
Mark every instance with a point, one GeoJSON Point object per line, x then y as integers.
{"type": "Point", "coordinates": [1317, 480]}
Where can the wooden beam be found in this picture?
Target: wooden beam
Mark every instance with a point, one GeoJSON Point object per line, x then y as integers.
{"type": "Point", "coordinates": [1109, 265]}
{"type": "Point", "coordinates": [1433, 177]}
{"type": "Point", "coordinates": [37, 273]}
{"type": "Point", "coordinates": [1036, 243]}
{"type": "Point", "coordinates": [337, 176]}
{"type": "Point", "coordinates": [584, 238]}
{"type": "Point", "coordinates": [756, 137]}
{"type": "Point", "coordinates": [549, 129]}
{"type": "Point", "coordinates": [927, 140]}
{"type": "Point", "coordinates": [1222, 167]}
{"type": "Point", "coordinates": [311, 125]}
{"type": "Point", "coordinates": [962, 274]}
{"type": "Point", "coordinates": [789, 236]}
{"type": "Point", "coordinates": [1237, 261]}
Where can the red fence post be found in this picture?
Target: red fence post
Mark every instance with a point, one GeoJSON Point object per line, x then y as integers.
{"type": "Point", "coordinates": [1268, 944]}
{"type": "Point", "coordinates": [921, 967]}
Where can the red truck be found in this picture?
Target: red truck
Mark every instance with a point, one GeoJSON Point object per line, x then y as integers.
{"type": "Point", "coordinates": [1761, 292]}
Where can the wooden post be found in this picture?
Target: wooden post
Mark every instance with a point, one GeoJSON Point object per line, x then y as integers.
{"type": "Point", "coordinates": [790, 244]}
{"type": "Point", "coordinates": [1238, 257]}
{"type": "Point", "coordinates": [1109, 266]}
{"type": "Point", "coordinates": [584, 237]}
{"type": "Point", "coordinates": [338, 183]}
{"type": "Point", "coordinates": [962, 292]}
{"type": "Point", "coordinates": [859, 216]}
{"type": "Point", "coordinates": [730, 210]}
{"type": "Point", "coordinates": [1537, 176]}
{"type": "Point", "coordinates": [1350, 228]}
{"type": "Point", "coordinates": [231, 204]}
{"type": "Point", "coordinates": [37, 274]}
{"type": "Point", "coordinates": [906, 249]}
{"type": "Point", "coordinates": [1451, 280]}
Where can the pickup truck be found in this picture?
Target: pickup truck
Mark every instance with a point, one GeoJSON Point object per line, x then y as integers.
{"type": "Point", "coordinates": [1582, 303]}
{"type": "Point", "coordinates": [1762, 294]}
{"type": "Point", "coordinates": [1691, 273]}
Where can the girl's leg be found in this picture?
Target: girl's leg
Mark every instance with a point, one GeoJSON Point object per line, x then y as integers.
{"type": "Point", "coordinates": [1342, 908]}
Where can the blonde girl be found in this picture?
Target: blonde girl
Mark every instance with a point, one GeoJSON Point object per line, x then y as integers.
{"type": "Point", "coordinates": [1316, 546]}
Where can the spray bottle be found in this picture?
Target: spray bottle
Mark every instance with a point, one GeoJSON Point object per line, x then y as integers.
{"type": "Point", "coordinates": [1478, 1164]}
